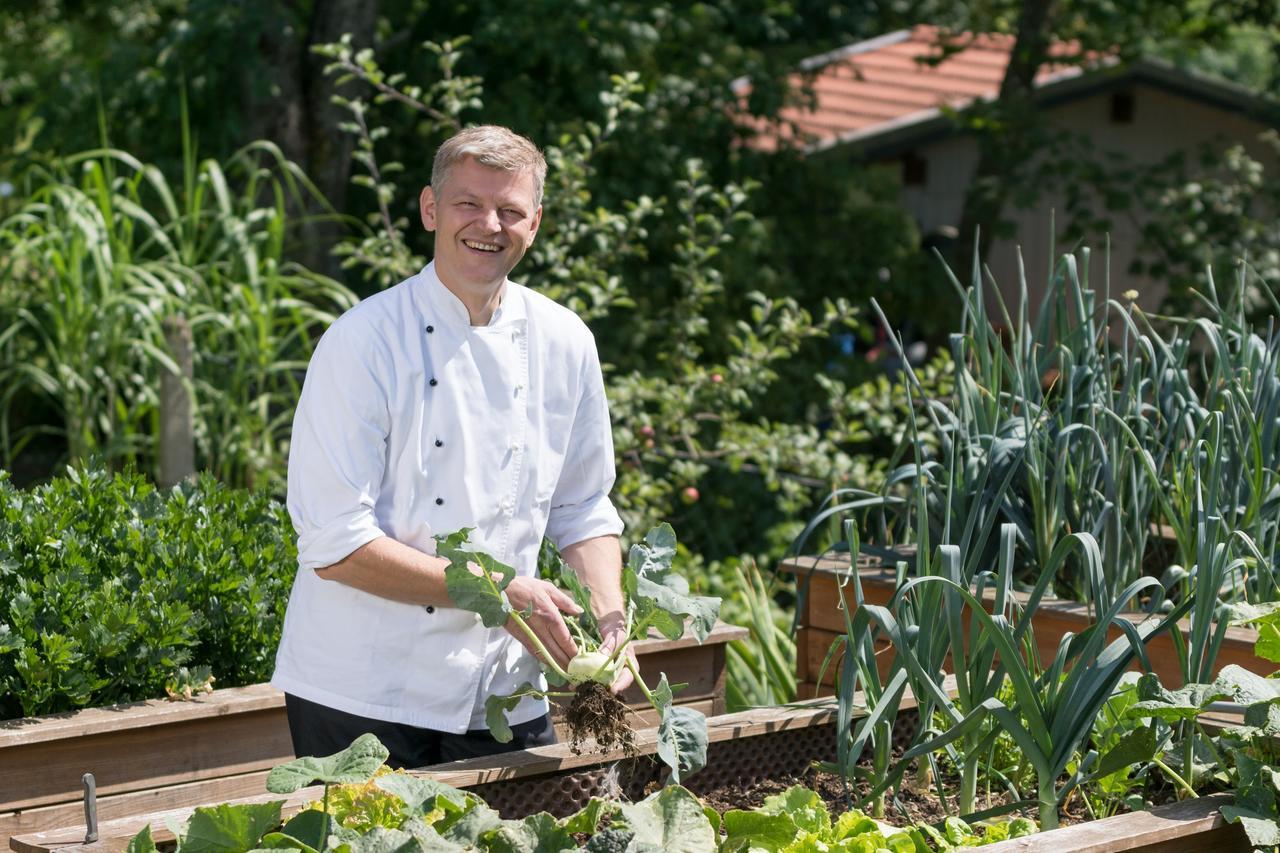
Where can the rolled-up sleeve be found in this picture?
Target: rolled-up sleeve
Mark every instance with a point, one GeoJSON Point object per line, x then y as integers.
{"type": "Point", "coordinates": [338, 450]}
{"type": "Point", "coordinates": [580, 505]}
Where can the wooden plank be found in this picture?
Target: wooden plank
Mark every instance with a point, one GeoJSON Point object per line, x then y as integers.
{"type": "Point", "coordinates": [138, 715]}
{"type": "Point", "coordinates": [114, 835]}
{"type": "Point", "coordinates": [1186, 827]}
{"type": "Point", "coordinates": [110, 808]}
{"type": "Point", "coordinates": [131, 759]}
{"type": "Point", "coordinates": [1053, 618]}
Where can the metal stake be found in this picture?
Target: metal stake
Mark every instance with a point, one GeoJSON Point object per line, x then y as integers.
{"type": "Point", "coordinates": [90, 808]}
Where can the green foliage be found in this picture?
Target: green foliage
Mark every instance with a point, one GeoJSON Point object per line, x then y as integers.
{"type": "Point", "coordinates": [656, 598]}
{"type": "Point", "coordinates": [376, 810]}
{"type": "Point", "coordinates": [103, 253]}
{"type": "Point", "coordinates": [109, 587]}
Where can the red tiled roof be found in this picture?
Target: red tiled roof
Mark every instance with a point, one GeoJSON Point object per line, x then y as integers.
{"type": "Point", "coordinates": [886, 81]}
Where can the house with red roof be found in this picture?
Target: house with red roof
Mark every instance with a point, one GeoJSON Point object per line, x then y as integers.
{"type": "Point", "coordinates": [893, 100]}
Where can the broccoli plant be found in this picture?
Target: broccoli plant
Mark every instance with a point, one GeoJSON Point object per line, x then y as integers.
{"type": "Point", "coordinates": [656, 598]}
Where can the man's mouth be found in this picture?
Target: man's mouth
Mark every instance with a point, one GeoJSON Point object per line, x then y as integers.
{"type": "Point", "coordinates": [481, 246]}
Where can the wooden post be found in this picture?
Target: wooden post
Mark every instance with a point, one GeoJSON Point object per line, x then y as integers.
{"type": "Point", "coordinates": [177, 419]}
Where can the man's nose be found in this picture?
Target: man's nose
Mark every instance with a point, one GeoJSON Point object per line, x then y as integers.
{"type": "Point", "coordinates": [489, 219]}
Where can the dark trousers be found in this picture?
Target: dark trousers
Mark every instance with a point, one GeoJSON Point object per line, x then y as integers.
{"type": "Point", "coordinates": [318, 731]}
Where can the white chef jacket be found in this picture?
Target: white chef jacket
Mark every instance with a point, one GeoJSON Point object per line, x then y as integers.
{"type": "Point", "coordinates": [414, 423]}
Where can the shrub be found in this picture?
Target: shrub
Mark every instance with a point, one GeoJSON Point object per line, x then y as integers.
{"type": "Point", "coordinates": [108, 587]}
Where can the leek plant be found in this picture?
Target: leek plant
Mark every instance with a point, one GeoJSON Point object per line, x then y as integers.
{"type": "Point", "coordinates": [760, 670]}
{"type": "Point", "coordinates": [1055, 706]}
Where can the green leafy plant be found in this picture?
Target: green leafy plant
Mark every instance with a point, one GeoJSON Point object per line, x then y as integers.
{"type": "Point", "coordinates": [365, 809]}
{"type": "Point", "coordinates": [656, 598]}
{"type": "Point", "coordinates": [112, 590]}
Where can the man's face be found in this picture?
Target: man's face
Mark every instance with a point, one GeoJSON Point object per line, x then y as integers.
{"type": "Point", "coordinates": [484, 221]}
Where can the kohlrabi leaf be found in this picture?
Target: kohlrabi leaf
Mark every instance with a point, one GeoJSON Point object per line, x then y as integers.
{"type": "Point", "coordinates": [429, 840]}
{"type": "Point", "coordinates": [537, 833]}
{"type": "Point", "coordinates": [663, 600]}
{"type": "Point", "coordinates": [1246, 687]}
{"type": "Point", "coordinates": [682, 734]}
{"type": "Point", "coordinates": [655, 553]}
{"type": "Point", "coordinates": [496, 709]}
{"type": "Point", "coordinates": [419, 793]}
{"type": "Point", "coordinates": [355, 764]}
{"type": "Point", "coordinates": [483, 593]}
{"type": "Point", "coordinates": [671, 820]}
{"type": "Point", "coordinates": [1262, 830]}
{"type": "Point", "coordinates": [383, 840]}
{"type": "Point", "coordinates": [1136, 745]}
{"type": "Point", "coordinates": [230, 828]}
{"type": "Point", "coordinates": [556, 569]}
{"type": "Point", "coordinates": [472, 825]}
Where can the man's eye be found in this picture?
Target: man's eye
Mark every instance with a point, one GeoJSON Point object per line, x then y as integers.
{"type": "Point", "coordinates": [466, 204]}
{"type": "Point", "coordinates": [511, 211]}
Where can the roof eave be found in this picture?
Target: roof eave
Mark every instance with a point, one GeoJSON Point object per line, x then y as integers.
{"type": "Point", "coordinates": [899, 135]}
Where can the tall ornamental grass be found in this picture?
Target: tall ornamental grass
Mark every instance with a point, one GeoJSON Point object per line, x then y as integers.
{"type": "Point", "coordinates": [102, 251]}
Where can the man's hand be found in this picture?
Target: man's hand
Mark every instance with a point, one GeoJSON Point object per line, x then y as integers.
{"type": "Point", "coordinates": [548, 602]}
{"type": "Point", "coordinates": [613, 631]}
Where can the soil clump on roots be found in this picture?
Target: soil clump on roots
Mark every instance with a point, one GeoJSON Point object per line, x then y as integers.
{"type": "Point", "coordinates": [595, 712]}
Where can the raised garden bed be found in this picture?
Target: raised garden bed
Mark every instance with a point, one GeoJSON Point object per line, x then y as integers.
{"type": "Point", "coordinates": [153, 756]}
{"type": "Point", "coordinates": [743, 748]}
{"type": "Point", "coordinates": [821, 621]}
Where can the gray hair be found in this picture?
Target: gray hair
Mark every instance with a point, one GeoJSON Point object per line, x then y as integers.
{"type": "Point", "coordinates": [493, 146]}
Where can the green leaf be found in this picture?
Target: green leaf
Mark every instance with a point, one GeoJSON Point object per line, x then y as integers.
{"type": "Point", "coordinates": [1136, 745]}
{"type": "Point", "coordinates": [661, 596]}
{"type": "Point", "coordinates": [1262, 830]}
{"type": "Point", "coordinates": [472, 825]}
{"type": "Point", "coordinates": [142, 842]}
{"type": "Point", "coordinates": [655, 553]}
{"type": "Point", "coordinates": [1246, 687]}
{"type": "Point", "coordinates": [757, 830]}
{"type": "Point", "coordinates": [802, 805]}
{"type": "Point", "coordinates": [587, 820]}
{"type": "Point", "coordinates": [682, 734]}
{"type": "Point", "coordinates": [310, 827]}
{"type": "Point", "coordinates": [496, 709]}
{"type": "Point", "coordinates": [383, 840]}
{"type": "Point", "coordinates": [670, 820]}
{"type": "Point", "coordinates": [483, 593]}
{"type": "Point", "coordinates": [419, 793]}
{"type": "Point", "coordinates": [612, 840]}
{"type": "Point", "coordinates": [230, 828]}
{"type": "Point", "coordinates": [429, 839]}
{"type": "Point", "coordinates": [539, 833]}
{"type": "Point", "coordinates": [355, 764]}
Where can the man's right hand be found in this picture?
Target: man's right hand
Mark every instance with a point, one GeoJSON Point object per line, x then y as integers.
{"type": "Point", "coordinates": [548, 602]}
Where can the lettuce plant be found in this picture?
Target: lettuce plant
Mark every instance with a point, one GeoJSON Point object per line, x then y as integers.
{"type": "Point", "coordinates": [656, 598]}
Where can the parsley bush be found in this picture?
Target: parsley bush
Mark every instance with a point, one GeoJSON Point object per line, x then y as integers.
{"type": "Point", "coordinates": [109, 587]}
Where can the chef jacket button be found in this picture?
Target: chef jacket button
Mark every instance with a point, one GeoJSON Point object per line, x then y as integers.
{"type": "Point", "coordinates": [439, 443]}
{"type": "Point", "coordinates": [433, 382]}
{"type": "Point", "coordinates": [430, 329]}
{"type": "Point", "coordinates": [430, 609]}
{"type": "Point", "coordinates": [439, 501]}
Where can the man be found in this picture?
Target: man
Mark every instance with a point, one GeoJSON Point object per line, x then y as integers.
{"type": "Point", "coordinates": [455, 399]}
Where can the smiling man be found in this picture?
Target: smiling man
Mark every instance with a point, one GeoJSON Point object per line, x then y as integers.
{"type": "Point", "coordinates": [455, 399]}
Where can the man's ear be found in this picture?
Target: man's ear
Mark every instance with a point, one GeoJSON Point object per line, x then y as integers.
{"type": "Point", "coordinates": [537, 220]}
{"type": "Point", "coordinates": [427, 207]}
